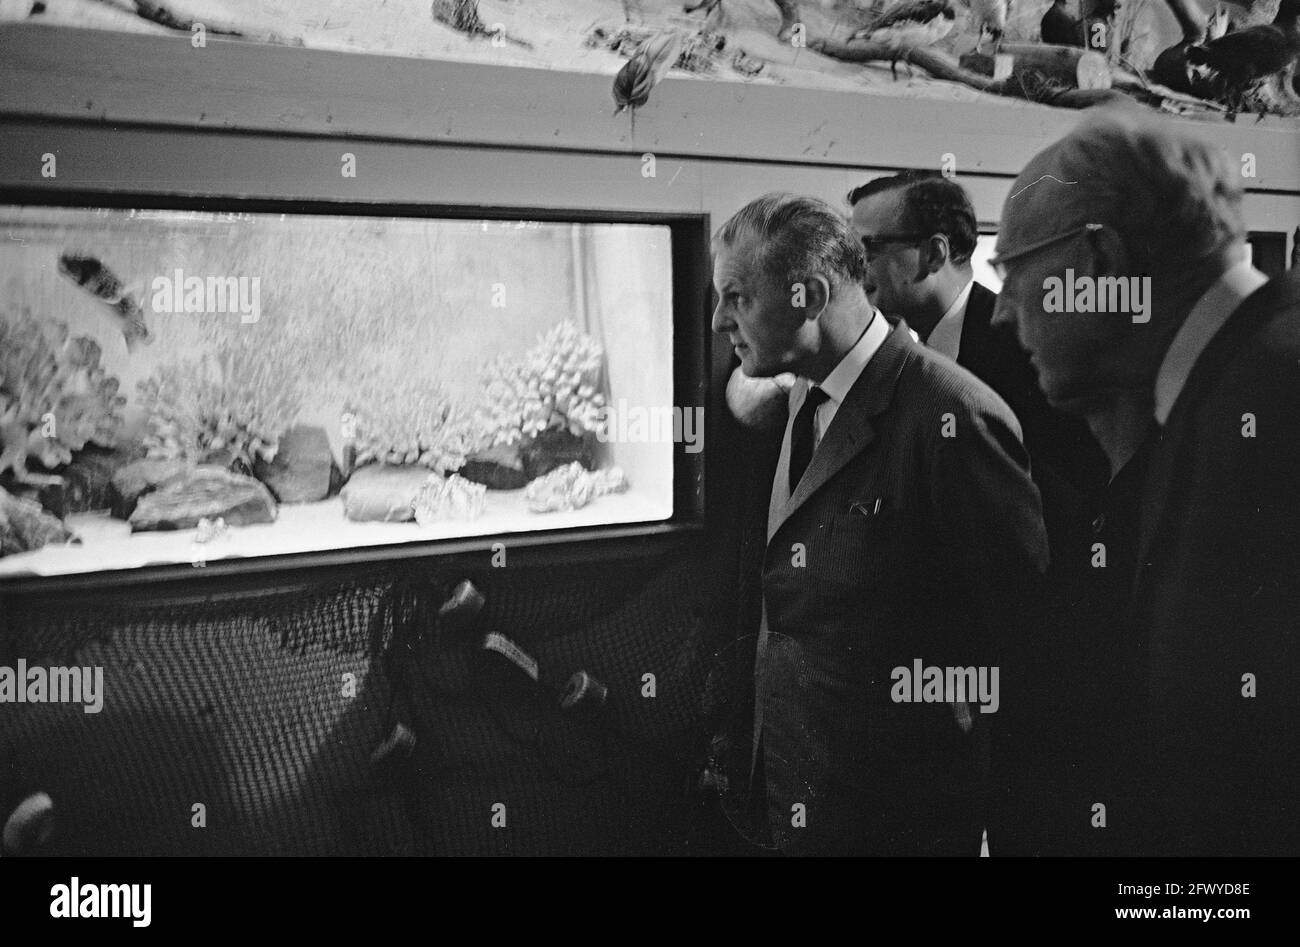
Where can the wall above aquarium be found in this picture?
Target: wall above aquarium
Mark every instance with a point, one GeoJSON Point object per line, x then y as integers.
{"type": "Point", "coordinates": [184, 386]}
{"type": "Point", "coordinates": [830, 45]}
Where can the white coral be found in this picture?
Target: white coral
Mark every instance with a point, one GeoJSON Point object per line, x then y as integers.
{"type": "Point", "coordinates": [571, 488]}
{"type": "Point", "coordinates": [553, 386]}
{"type": "Point", "coordinates": [450, 498]}
{"type": "Point", "coordinates": [410, 422]}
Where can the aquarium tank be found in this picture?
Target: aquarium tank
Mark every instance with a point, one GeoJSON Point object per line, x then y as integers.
{"type": "Point", "coordinates": [181, 386]}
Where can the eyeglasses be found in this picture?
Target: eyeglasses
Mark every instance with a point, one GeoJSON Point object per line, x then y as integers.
{"type": "Point", "coordinates": [874, 243]}
{"type": "Point", "coordinates": [999, 263]}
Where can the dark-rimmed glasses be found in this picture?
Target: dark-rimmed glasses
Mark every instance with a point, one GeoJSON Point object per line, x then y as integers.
{"type": "Point", "coordinates": [875, 243]}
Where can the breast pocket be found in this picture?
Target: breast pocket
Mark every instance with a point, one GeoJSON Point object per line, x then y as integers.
{"type": "Point", "coordinates": [862, 551]}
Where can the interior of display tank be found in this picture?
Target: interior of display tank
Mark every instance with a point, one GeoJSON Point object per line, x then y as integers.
{"type": "Point", "coordinates": [181, 386]}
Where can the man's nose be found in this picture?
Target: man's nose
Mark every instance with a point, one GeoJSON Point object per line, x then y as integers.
{"type": "Point", "coordinates": [720, 321]}
{"type": "Point", "coordinates": [1004, 310]}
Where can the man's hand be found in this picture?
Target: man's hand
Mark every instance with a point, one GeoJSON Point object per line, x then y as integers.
{"type": "Point", "coordinates": [759, 403]}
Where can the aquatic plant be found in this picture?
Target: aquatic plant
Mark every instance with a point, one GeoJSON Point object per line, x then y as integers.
{"type": "Point", "coordinates": [239, 399]}
{"type": "Point", "coordinates": [407, 422]}
{"type": "Point", "coordinates": [553, 386]}
{"type": "Point", "coordinates": [54, 395]}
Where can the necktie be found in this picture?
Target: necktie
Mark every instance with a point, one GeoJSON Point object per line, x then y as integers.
{"type": "Point", "coordinates": [801, 437]}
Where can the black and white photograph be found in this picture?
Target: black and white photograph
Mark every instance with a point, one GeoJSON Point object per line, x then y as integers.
{"type": "Point", "coordinates": [725, 431]}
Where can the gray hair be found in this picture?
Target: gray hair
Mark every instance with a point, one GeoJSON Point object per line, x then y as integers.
{"type": "Point", "coordinates": [1174, 199]}
{"type": "Point", "coordinates": [796, 237]}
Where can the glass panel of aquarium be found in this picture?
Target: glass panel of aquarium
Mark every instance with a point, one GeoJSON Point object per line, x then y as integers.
{"type": "Point", "coordinates": [184, 387]}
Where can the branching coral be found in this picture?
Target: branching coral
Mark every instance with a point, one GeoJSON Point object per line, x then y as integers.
{"type": "Point", "coordinates": [239, 400]}
{"type": "Point", "coordinates": [553, 386]}
{"type": "Point", "coordinates": [54, 396]}
{"type": "Point", "coordinates": [410, 422]}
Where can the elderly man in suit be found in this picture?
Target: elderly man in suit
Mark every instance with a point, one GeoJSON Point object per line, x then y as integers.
{"type": "Point", "coordinates": [1176, 724]}
{"type": "Point", "coordinates": [903, 530]}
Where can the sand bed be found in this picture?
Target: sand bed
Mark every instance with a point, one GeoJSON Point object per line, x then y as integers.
{"type": "Point", "coordinates": [108, 543]}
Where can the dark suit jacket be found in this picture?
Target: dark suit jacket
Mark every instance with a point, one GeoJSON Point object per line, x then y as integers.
{"type": "Point", "coordinates": [1070, 470]}
{"type": "Point", "coordinates": [1217, 597]}
{"type": "Point", "coordinates": [936, 575]}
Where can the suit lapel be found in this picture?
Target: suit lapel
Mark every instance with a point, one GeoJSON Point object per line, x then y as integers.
{"type": "Point", "coordinates": [975, 328]}
{"type": "Point", "coordinates": [850, 432]}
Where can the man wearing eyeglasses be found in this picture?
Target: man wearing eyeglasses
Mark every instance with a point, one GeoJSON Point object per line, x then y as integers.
{"type": "Point", "coordinates": [919, 231]}
{"type": "Point", "coordinates": [1174, 728]}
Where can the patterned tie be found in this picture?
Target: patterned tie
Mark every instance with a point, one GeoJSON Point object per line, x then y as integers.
{"type": "Point", "coordinates": [801, 438]}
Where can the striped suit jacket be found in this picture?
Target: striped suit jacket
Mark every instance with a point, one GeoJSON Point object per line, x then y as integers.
{"type": "Point", "coordinates": [913, 535]}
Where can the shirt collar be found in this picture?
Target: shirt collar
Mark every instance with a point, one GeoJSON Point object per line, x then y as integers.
{"type": "Point", "coordinates": [1206, 318]}
{"type": "Point", "coordinates": [945, 337]}
{"type": "Point", "coordinates": [845, 374]}
{"type": "Point", "coordinates": [959, 304]}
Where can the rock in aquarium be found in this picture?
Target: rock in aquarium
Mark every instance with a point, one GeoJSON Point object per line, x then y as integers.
{"type": "Point", "coordinates": [300, 470]}
{"type": "Point", "coordinates": [552, 449]}
{"type": "Point", "coordinates": [25, 526]}
{"type": "Point", "coordinates": [90, 478]}
{"type": "Point", "coordinates": [204, 492]}
{"type": "Point", "coordinates": [383, 493]}
{"type": "Point", "coordinates": [138, 478]}
{"type": "Point", "coordinates": [498, 468]}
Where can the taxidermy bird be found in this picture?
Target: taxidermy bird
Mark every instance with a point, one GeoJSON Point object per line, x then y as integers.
{"type": "Point", "coordinates": [1061, 29]}
{"type": "Point", "coordinates": [1171, 67]}
{"type": "Point", "coordinates": [1238, 63]}
{"type": "Point", "coordinates": [909, 25]}
{"type": "Point", "coordinates": [990, 18]}
{"type": "Point", "coordinates": [644, 70]}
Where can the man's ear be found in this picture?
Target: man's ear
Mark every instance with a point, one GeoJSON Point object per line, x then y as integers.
{"type": "Point", "coordinates": [935, 253]}
{"type": "Point", "coordinates": [816, 295]}
{"type": "Point", "coordinates": [1109, 255]}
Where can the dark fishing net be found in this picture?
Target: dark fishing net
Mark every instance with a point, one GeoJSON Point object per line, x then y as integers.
{"type": "Point", "coordinates": [242, 706]}
{"type": "Point", "coordinates": [265, 707]}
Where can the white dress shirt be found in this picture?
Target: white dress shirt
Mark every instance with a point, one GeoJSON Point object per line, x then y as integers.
{"type": "Point", "coordinates": [1206, 318]}
{"type": "Point", "coordinates": [945, 338]}
{"type": "Point", "coordinates": [845, 374]}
